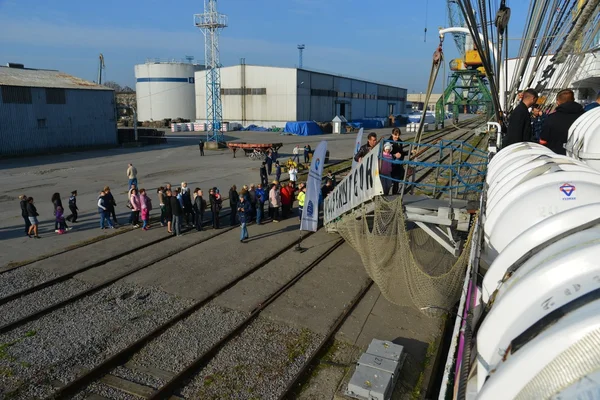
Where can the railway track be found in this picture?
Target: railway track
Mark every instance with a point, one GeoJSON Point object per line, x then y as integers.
{"type": "Point", "coordinates": [102, 372]}
{"type": "Point", "coordinates": [179, 380]}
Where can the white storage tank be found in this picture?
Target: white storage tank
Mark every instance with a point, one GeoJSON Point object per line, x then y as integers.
{"type": "Point", "coordinates": [165, 90]}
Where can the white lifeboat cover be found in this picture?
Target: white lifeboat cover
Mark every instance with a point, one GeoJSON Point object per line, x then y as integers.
{"type": "Point", "coordinates": [536, 200]}
{"type": "Point", "coordinates": [551, 278]}
{"type": "Point", "coordinates": [521, 367]}
{"type": "Point", "coordinates": [544, 232]}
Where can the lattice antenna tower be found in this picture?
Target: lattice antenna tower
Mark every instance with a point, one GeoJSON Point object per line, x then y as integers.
{"type": "Point", "coordinates": [211, 23]}
{"type": "Point", "coordinates": [301, 48]}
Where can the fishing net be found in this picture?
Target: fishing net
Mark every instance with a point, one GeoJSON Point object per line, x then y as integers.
{"type": "Point", "coordinates": [409, 266]}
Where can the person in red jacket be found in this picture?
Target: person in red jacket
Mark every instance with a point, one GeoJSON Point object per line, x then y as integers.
{"type": "Point", "coordinates": [287, 199]}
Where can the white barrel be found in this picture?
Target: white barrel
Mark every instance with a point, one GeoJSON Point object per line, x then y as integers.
{"type": "Point", "coordinates": [584, 139]}
{"type": "Point", "coordinates": [573, 338]}
{"type": "Point", "coordinates": [512, 153]}
{"type": "Point", "coordinates": [165, 90]}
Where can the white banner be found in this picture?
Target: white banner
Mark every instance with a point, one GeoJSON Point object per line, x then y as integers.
{"type": "Point", "coordinates": [310, 213]}
{"type": "Point", "coordinates": [362, 184]}
{"type": "Point", "coordinates": [357, 146]}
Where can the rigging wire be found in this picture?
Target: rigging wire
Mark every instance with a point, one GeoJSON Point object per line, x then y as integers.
{"type": "Point", "coordinates": [426, 15]}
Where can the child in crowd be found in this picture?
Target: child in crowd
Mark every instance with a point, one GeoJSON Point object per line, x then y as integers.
{"type": "Point", "coordinates": [73, 207]}
{"type": "Point", "coordinates": [386, 168]}
{"type": "Point", "coordinates": [146, 205]}
{"type": "Point", "coordinates": [60, 220]}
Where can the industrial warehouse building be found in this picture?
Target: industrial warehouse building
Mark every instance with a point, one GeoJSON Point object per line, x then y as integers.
{"type": "Point", "coordinates": [272, 96]}
{"type": "Point", "coordinates": [165, 90]}
{"type": "Point", "coordinates": [42, 110]}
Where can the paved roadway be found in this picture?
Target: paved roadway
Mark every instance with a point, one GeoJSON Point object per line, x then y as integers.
{"type": "Point", "coordinates": [89, 171]}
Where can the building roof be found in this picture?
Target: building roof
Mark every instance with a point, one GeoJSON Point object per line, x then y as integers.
{"type": "Point", "coordinates": [316, 71]}
{"type": "Point", "coordinates": [44, 78]}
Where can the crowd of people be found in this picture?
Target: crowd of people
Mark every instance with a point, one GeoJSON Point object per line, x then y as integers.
{"type": "Point", "coordinates": [529, 123]}
{"type": "Point", "coordinates": [182, 207]}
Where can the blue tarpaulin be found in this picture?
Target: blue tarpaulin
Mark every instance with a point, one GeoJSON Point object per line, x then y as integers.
{"type": "Point", "coordinates": [255, 128]}
{"type": "Point", "coordinates": [374, 123]}
{"type": "Point", "coordinates": [303, 128]}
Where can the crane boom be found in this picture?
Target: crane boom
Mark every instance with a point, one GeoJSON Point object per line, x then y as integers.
{"type": "Point", "coordinates": [456, 19]}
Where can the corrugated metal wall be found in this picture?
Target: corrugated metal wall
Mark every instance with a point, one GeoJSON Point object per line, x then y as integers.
{"type": "Point", "coordinates": [87, 119]}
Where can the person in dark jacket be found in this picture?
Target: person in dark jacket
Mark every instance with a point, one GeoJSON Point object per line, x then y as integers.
{"type": "Point", "coordinates": [168, 210]}
{"type": "Point", "coordinates": [188, 209]}
{"type": "Point", "coordinates": [555, 130]}
{"type": "Point", "coordinates": [177, 212]}
{"type": "Point", "coordinates": [277, 171]}
{"type": "Point", "coordinates": [593, 104]}
{"type": "Point", "coordinates": [367, 147]}
{"type": "Point", "coordinates": [234, 199]}
{"type": "Point", "coordinates": [56, 202]}
{"type": "Point", "coordinates": [23, 204]}
{"type": "Point", "coordinates": [398, 155]}
{"type": "Point", "coordinates": [519, 122]}
{"type": "Point", "coordinates": [215, 207]}
{"type": "Point", "coordinates": [199, 207]}
{"type": "Point", "coordinates": [242, 212]}
{"type": "Point", "coordinates": [32, 214]}
{"type": "Point", "coordinates": [110, 205]}
{"type": "Point", "coordinates": [73, 207]}
{"type": "Point", "coordinates": [264, 179]}
{"type": "Point", "coordinates": [201, 147]}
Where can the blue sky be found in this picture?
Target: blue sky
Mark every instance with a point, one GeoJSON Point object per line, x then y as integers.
{"type": "Point", "coordinates": [376, 39]}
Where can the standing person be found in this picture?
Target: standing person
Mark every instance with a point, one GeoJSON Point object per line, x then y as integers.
{"type": "Point", "coordinates": [367, 147]}
{"type": "Point", "coordinates": [200, 206]}
{"type": "Point", "coordinates": [56, 202]}
{"type": "Point", "coordinates": [261, 197]}
{"type": "Point", "coordinates": [131, 175]}
{"type": "Point", "coordinates": [269, 161]}
{"type": "Point", "coordinates": [168, 210]}
{"type": "Point", "coordinates": [242, 211]}
{"type": "Point", "coordinates": [134, 200]}
{"type": "Point", "coordinates": [296, 154]}
{"type": "Point", "coordinates": [23, 204]}
{"type": "Point", "coordinates": [286, 200]}
{"type": "Point", "coordinates": [274, 202]}
{"type": "Point", "coordinates": [234, 198]}
{"type": "Point", "coordinates": [331, 177]}
{"type": "Point", "coordinates": [252, 205]}
{"type": "Point", "coordinates": [176, 211]}
{"type": "Point", "coordinates": [537, 122]}
{"type": "Point", "coordinates": [593, 104]}
{"type": "Point", "coordinates": [201, 147]}
{"type": "Point", "coordinates": [277, 171]}
{"type": "Point", "coordinates": [102, 210]}
{"type": "Point", "coordinates": [301, 199]}
{"type": "Point", "coordinates": [32, 215]}
{"type": "Point", "coordinates": [214, 207]}
{"type": "Point", "coordinates": [398, 154]}
{"type": "Point", "coordinates": [264, 180]}
{"type": "Point", "coordinates": [386, 169]}
{"type": "Point", "coordinates": [60, 219]}
{"type": "Point", "coordinates": [306, 153]}
{"type": "Point", "coordinates": [519, 121]}
{"type": "Point", "coordinates": [188, 208]}
{"type": "Point", "coordinates": [293, 172]}
{"type": "Point", "coordinates": [555, 131]}
{"type": "Point", "coordinates": [110, 205]}
{"type": "Point", "coordinates": [73, 207]}
{"type": "Point", "coordinates": [161, 203]}
{"type": "Point", "coordinates": [146, 207]}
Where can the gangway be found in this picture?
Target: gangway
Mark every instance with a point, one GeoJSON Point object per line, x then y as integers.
{"type": "Point", "coordinates": [440, 197]}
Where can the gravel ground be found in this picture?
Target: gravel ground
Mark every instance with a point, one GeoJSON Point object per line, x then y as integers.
{"type": "Point", "coordinates": [258, 364]}
{"type": "Point", "coordinates": [33, 302]}
{"type": "Point", "coordinates": [183, 343]}
{"type": "Point", "coordinates": [57, 346]}
{"type": "Point", "coordinates": [22, 278]}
